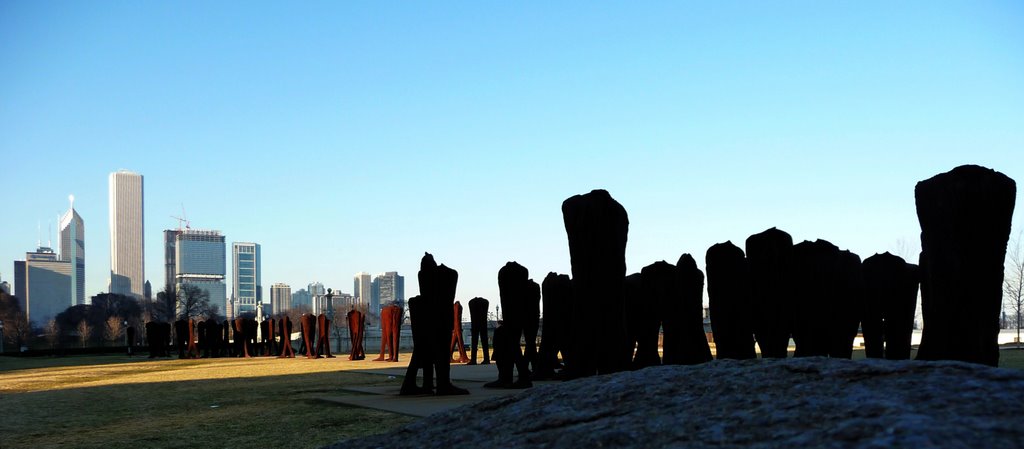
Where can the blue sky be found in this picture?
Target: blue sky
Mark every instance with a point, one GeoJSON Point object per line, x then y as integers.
{"type": "Point", "coordinates": [348, 137]}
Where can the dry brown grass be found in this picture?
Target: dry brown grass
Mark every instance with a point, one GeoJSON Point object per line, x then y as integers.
{"type": "Point", "coordinates": [103, 401]}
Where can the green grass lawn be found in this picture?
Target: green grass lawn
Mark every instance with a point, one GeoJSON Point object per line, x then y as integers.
{"type": "Point", "coordinates": [110, 402]}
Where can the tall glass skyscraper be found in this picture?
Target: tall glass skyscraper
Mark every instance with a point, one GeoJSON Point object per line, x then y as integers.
{"type": "Point", "coordinates": [248, 290]}
{"type": "Point", "coordinates": [127, 252]}
{"type": "Point", "coordinates": [199, 259]}
{"type": "Point", "coordinates": [362, 286]}
{"type": "Point", "coordinates": [280, 298]}
{"type": "Point", "coordinates": [388, 288]}
{"type": "Point", "coordinates": [72, 249]}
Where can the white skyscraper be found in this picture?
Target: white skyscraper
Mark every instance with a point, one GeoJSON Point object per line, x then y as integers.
{"type": "Point", "coordinates": [363, 288]}
{"type": "Point", "coordinates": [72, 249]}
{"type": "Point", "coordinates": [127, 253]}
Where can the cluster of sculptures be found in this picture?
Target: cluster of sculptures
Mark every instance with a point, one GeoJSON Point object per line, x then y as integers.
{"type": "Point", "coordinates": [603, 321]}
{"type": "Point", "coordinates": [238, 337]}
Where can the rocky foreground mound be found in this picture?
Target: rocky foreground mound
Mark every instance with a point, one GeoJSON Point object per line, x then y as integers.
{"type": "Point", "coordinates": [808, 402]}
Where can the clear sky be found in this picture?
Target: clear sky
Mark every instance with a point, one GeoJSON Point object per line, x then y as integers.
{"type": "Point", "coordinates": [354, 136]}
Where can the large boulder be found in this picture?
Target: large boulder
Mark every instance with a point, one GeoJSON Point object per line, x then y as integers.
{"type": "Point", "coordinates": [806, 402]}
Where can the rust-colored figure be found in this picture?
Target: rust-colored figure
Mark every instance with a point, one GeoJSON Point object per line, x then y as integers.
{"type": "Point", "coordinates": [478, 328]}
{"type": "Point", "coordinates": [390, 327]}
{"type": "Point", "coordinates": [285, 329]}
{"type": "Point", "coordinates": [191, 350]}
{"type": "Point", "coordinates": [156, 339]}
{"type": "Point", "coordinates": [356, 327]}
{"type": "Point", "coordinates": [323, 340]}
{"type": "Point", "coordinates": [308, 323]}
{"type": "Point", "coordinates": [242, 348]}
{"type": "Point", "coordinates": [458, 340]}
{"type": "Point", "coordinates": [269, 331]}
{"type": "Point", "coordinates": [213, 338]}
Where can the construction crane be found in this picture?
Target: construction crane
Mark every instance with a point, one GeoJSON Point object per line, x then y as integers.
{"type": "Point", "coordinates": [182, 219]}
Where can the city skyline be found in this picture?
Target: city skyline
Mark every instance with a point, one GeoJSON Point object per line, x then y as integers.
{"type": "Point", "coordinates": [461, 130]}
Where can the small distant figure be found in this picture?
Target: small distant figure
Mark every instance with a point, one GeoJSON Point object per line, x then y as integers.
{"type": "Point", "coordinates": [458, 340]}
{"type": "Point", "coordinates": [478, 329]}
{"type": "Point", "coordinates": [130, 335]}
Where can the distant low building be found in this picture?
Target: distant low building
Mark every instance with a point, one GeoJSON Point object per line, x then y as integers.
{"type": "Point", "coordinates": [280, 298]}
{"type": "Point", "coordinates": [43, 286]}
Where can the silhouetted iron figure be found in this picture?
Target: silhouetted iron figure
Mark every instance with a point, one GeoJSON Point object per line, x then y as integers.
{"type": "Point", "coordinates": [531, 324]}
{"type": "Point", "coordinates": [227, 349]}
{"type": "Point", "coordinates": [658, 284]}
{"type": "Point", "coordinates": [285, 349]}
{"type": "Point", "coordinates": [308, 323]}
{"type": "Point", "coordinates": [153, 339]}
{"type": "Point", "coordinates": [632, 286]}
{"type": "Point", "coordinates": [130, 333]}
{"type": "Point", "coordinates": [183, 338]}
{"type": "Point", "coordinates": [421, 357]}
{"type": "Point", "coordinates": [816, 279]}
{"type": "Point", "coordinates": [437, 285]}
{"type": "Point", "coordinates": [965, 217]}
{"type": "Point", "coordinates": [597, 228]}
{"type": "Point", "coordinates": [356, 327]}
{"type": "Point", "coordinates": [390, 332]}
{"type": "Point", "coordinates": [890, 299]}
{"type": "Point", "coordinates": [261, 348]}
{"type": "Point", "coordinates": [478, 329]}
{"type": "Point", "coordinates": [202, 344]}
{"type": "Point", "coordinates": [240, 330]}
{"type": "Point", "coordinates": [165, 338]}
{"type": "Point", "coordinates": [515, 290]}
{"type": "Point", "coordinates": [729, 301]}
{"type": "Point", "coordinates": [847, 306]}
{"type": "Point", "coordinates": [557, 290]}
{"type": "Point", "coordinates": [770, 264]}
{"type": "Point", "coordinates": [323, 340]}
{"type": "Point", "coordinates": [458, 342]}
{"type": "Point", "coordinates": [684, 341]}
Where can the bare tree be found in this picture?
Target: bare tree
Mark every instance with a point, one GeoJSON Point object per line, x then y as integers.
{"type": "Point", "coordinates": [83, 332]}
{"type": "Point", "coordinates": [17, 328]}
{"type": "Point", "coordinates": [52, 333]}
{"type": "Point", "coordinates": [112, 331]}
{"type": "Point", "coordinates": [1013, 283]}
{"type": "Point", "coordinates": [193, 302]}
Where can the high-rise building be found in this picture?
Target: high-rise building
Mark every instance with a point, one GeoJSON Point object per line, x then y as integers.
{"type": "Point", "coordinates": [388, 288]}
{"type": "Point", "coordinates": [302, 298]}
{"type": "Point", "coordinates": [280, 298]}
{"type": "Point", "coordinates": [248, 290]}
{"type": "Point", "coordinates": [127, 252]}
{"type": "Point", "coordinates": [42, 283]}
{"type": "Point", "coordinates": [362, 288]}
{"type": "Point", "coordinates": [72, 249]}
{"type": "Point", "coordinates": [199, 260]}
{"type": "Point", "coordinates": [170, 264]}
